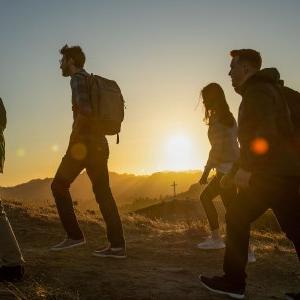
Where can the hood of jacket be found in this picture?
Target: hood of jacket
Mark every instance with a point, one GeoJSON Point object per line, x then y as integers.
{"type": "Point", "coordinates": [267, 75]}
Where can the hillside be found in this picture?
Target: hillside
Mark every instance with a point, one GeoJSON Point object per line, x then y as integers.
{"type": "Point", "coordinates": [188, 208]}
{"type": "Point", "coordinates": [125, 187]}
{"type": "Point", "coordinates": [162, 263]}
{"type": "Point", "coordinates": [168, 209]}
{"type": "Point", "coordinates": [174, 211]}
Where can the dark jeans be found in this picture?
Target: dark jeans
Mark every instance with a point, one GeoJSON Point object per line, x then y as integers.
{"type": "Point", "coordinates": [281, 194]}
{"type": "Point", "coordinates": [211, 191]}
{"type": "Point", "coordinates": [93, 157]}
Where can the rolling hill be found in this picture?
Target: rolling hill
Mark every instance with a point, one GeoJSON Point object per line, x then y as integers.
{"type": "Point", "coordinates": [125, 187]}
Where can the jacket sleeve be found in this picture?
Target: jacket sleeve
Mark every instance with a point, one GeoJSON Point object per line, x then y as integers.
{"type": "Point", "coordinates": [3, 119]}
{"type": "Point", "coordinates": [258, 132]}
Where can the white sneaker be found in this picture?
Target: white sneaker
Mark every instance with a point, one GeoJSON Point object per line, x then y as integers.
{"type": "Point", "coordinates": [251, 257]}
{"type": "Point", "coordinates": [211, 244]}
{"type": "Point", "coordinates": [67, 244]}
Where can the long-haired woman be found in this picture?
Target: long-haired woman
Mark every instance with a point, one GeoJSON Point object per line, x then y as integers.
{"type": "Point", "coordinates": [222, 135]}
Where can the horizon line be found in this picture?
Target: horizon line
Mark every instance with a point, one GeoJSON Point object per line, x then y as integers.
{"type": "Point", "coordinates": [118, 173]}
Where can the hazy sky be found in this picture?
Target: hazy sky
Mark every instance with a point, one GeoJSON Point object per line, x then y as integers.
{"type": "Point", "coordinates": [160, 52]}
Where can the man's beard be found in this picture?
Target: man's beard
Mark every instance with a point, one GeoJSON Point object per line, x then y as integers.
{"type": "Point", "coordinates": [234, 83]}
{"type": "Point", "coordinates": [65, 72]}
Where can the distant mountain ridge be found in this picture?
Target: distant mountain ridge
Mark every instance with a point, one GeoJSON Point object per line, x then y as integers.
{"type": "Point", "coordinates": [125, 187]}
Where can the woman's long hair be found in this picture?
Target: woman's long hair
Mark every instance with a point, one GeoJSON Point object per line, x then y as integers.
{"type": "Point", "coordinates": [215, 104]}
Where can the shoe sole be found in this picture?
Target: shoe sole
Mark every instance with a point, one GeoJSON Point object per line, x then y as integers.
{"type": "Point", "coordinates": [109, 256]}
{"type": "Point", "coordinates": [232, 295]}
{"type": "Point", "coordinates": [68, 247]}
{"type": "Point", "coordinates": [217, 248]}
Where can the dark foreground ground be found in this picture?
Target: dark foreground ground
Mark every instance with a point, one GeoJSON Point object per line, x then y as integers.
{"type": "Point", "coordinates": [162, 263]}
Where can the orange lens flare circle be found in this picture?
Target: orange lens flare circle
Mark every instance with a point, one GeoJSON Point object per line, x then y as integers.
{"type": "Point", "coordinates": [260, 146]}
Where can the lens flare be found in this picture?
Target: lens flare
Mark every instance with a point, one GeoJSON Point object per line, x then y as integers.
{"type": "Point", "coordinates": [55, 148]}
{"type": "Point", "coordinates": [21, 152]}
{"type": "Point", "coordinates": [260, 146]}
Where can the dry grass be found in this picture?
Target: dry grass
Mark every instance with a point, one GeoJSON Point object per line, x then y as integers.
{"type": "Point", "coordinates": [162, 263]}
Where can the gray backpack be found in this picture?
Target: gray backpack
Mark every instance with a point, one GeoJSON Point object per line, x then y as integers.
{"type": "Point", "coordinates": [107, 104]}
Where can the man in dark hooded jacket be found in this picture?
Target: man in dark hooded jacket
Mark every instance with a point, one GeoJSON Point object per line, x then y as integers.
{"type": "Point", "coordinates": [268, 172]}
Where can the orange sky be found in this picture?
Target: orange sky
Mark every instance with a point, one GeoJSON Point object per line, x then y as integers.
{"type": "Point", "coordinates": [160, 52]}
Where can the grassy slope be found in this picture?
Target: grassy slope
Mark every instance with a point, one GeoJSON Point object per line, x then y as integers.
{"type": "Point", "coordinates": [162, 263]}
{"type": "Point", "coordinates": [125, 187]}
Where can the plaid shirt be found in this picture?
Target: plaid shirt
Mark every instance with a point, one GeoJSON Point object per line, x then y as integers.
{"type": "Point", "coordinates": [80, 95]}
{"type": "Point", "coordinates": [83, 130]}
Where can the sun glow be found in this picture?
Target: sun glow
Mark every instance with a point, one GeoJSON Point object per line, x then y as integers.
{"type": "Point", "coordinates": [179, 153]}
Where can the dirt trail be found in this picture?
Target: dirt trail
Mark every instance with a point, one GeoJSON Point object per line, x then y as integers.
{"type": "Point", "coordinates": [162, 263]}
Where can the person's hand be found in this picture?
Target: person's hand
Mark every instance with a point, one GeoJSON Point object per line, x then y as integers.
{"type": "Point", "coordinates": [203, 179]}
{"type": "Point", "coordinates": [242, 178]}
{"type": "Point", "coordinates": [226, 181]}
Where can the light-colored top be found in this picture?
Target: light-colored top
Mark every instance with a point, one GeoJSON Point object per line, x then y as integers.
{"type": "Point", "coordinates": [224, 146]}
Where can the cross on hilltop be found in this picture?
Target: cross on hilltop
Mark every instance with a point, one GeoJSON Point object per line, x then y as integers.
{"type": "Point", "coordinates": [174, 188]}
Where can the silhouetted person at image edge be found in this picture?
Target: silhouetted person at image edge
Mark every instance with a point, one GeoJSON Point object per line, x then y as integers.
{"type": "Point", "coordinates": [11, 259]}
{"type": "Point", "coordinates": [224, 152]}
{"type": "Point", "coordinates": [267, 173]}
{"type": "Point", "coordinates": [88, 149]}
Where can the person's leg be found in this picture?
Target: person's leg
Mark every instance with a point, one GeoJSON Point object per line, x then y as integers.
{"type": "Point", "coordinates": [98, 173]}
{"type": "Point", "coordinates": [11, 259]}
{"type": "Point", "coordinates": [241, 212]}
{"type": "Point", "coordinates": [263, 193]}
{"type": "Point", "coordinates": [10, 253]}
{"type": "Point", "coordinates": [68, 170]}
{"type": "Point", "coordinates": [228, 195]}
{"type": "Point", "coordinates": [211, 191]}
{"type": "Point", "coordinates": [215, 241]}
{"type": "Point", "coordinates": [287, 210]}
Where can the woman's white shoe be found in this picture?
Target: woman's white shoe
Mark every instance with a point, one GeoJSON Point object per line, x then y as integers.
{"type": "Point", "coordinates": [211, 244]}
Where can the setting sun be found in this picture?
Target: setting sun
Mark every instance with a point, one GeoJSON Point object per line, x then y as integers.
{"type": "Point", "coordinates": [178, 152]}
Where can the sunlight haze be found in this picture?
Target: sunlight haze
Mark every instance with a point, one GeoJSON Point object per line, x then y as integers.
{"type": "Point", "coordinates": [160, 52]}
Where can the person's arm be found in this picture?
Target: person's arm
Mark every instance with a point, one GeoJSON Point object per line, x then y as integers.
{"type": "Point", "coordinates": [215, 153]}
{"type": "Point", "coordinates": [82, 104]}
{"type": "Point", "coordinates": [258, 132]}
{"type": "Point", "coordinates": [204, 176]}
{"type": "Point", "coordinates": [80, 93]}
{"type": "Point", "coordinates": [234, 168]}
{"type": "Point", "coordinates": [3, 122]}
{"type": "Point", "coordinates": [217, 136]}
{"type": "Point", "coordinates": [3, 119]}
